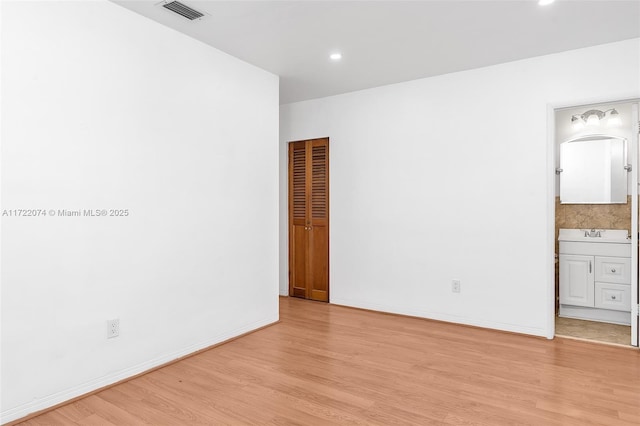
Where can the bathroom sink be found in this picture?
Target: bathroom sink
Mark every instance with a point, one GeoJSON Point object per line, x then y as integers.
{"type": "Point", "coordinates": [595, 235]}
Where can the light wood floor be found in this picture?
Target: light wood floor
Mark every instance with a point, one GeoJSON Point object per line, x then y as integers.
{"type": "Point", "coordinates": [325, 364]}
{"type": "Point", "coordinates": [592, 330]}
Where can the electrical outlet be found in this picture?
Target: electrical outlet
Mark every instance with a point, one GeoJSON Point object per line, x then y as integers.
{"type": "Point", "coordinates": [113, 328]}
{"type": "Point", "coordinates": [455, 286]}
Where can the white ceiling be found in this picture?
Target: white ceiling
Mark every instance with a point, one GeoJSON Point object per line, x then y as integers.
{"type": "Point", "coordinates": [385, 42]}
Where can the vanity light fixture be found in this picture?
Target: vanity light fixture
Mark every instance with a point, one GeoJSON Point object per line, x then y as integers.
{"type": "Point", "coordinates": [594, 116]}
{"type": "Point", "coordinates": [577, 122]}
{"type": "Point", "coordinates": [335, 56]}
{"type": "Point", "coordinates": [545, 2]}
{"type": "Point", "coordinates": [614, 118]}
{"type": "Point", "coordinates": [593, 119]}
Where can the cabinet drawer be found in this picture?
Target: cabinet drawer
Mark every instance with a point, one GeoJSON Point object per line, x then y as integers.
{"type": "Point", "coordinates": [613, 296]}
{"type": "Point", "coordinates": [613, 269]}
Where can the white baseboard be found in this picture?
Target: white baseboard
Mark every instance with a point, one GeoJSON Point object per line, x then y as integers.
{"type": "Point", "coordinates": [101, 382]}
{"type": "Point", "coordinates": [514, 328]}
{"type": "Point", "coordinates": [595, 314]}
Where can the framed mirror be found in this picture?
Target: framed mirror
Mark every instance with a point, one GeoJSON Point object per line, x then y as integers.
{"type": "Point", "coordinates": [593, 170]}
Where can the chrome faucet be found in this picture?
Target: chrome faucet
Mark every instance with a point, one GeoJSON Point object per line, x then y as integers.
{"type": "Point", "coordinates": [593, 233]}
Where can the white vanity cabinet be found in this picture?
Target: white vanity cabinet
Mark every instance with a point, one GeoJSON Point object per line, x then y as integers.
{"type": "Point", "coordinates": [576, 280]}
{"type": "Point", "coordinates": [595, 275]}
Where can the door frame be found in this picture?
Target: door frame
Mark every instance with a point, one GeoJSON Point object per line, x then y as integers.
{"type": "Point", "coordinates": [551, 205]}
{"type": "Point", "coordinates": [289, 215]}
{"type": "Point", "coordinates": [635, 285]}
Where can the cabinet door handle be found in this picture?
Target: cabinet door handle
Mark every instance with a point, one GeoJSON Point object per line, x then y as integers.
{"type": "Point", "coordinates": [589, 266]}
{"type": "Point", "coordinates": [613, 270]}
{"type": "Point", "coordinates": [613, 298]}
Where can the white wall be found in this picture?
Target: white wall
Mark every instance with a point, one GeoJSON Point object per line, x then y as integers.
{"type": "Point", "coordinates": [102, 109]}
{"type": "Point", "coordinates": [451, 177]}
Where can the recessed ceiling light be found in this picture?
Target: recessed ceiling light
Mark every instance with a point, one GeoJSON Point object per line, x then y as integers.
{"type": "Point", "coordinates": [545, 2]}
{"type": "Point", "coordinates": [335, 56]}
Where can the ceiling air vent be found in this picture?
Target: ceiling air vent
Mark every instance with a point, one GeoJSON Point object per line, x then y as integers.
{"type": "Point", "coordinates": [182, 9]}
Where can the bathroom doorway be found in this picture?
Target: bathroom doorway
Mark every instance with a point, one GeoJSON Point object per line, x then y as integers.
{"type": "Point", "coordinates": [596, 222]}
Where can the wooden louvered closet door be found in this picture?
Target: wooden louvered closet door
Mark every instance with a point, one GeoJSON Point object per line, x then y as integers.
{"type": "Point", "coordinates": [309, 219]}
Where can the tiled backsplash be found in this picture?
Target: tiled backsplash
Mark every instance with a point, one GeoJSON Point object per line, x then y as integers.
{"type": "Point", "coordinates": [588, 216]}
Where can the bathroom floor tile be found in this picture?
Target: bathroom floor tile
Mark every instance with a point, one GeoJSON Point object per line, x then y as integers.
{"type": "Point", "coordinates": [599, 331]}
